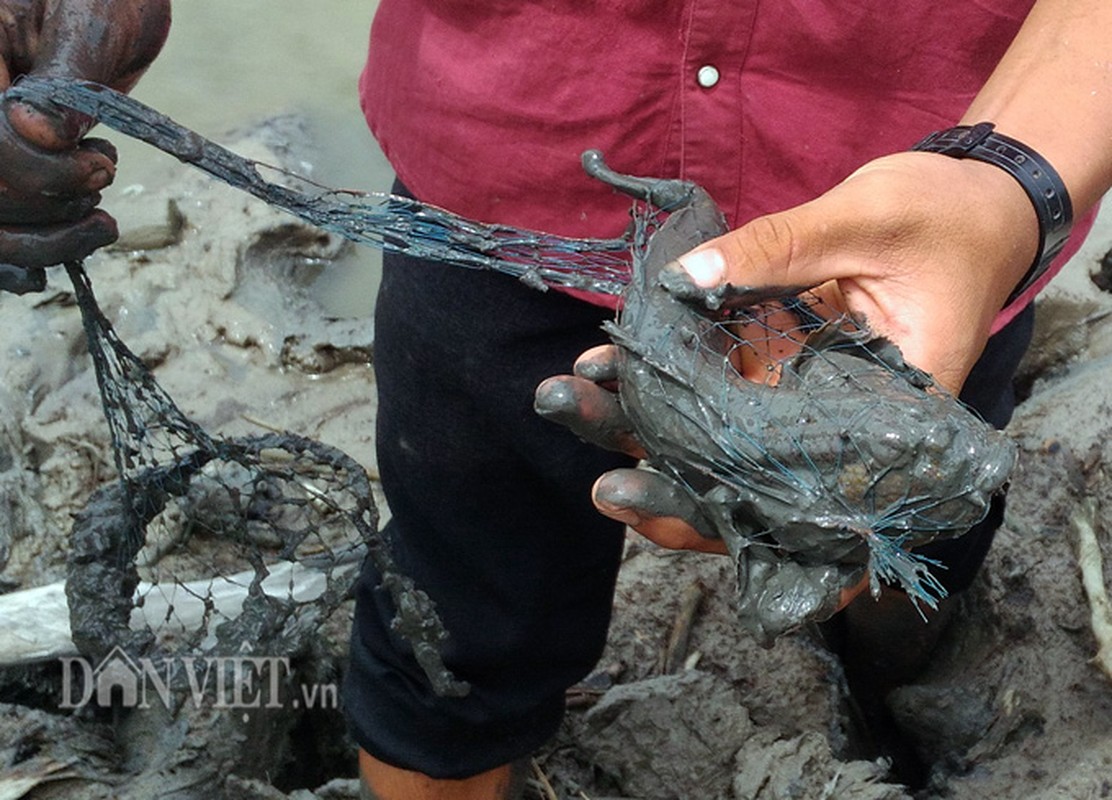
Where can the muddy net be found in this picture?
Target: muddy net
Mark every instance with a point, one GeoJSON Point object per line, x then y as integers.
{"type": "Point", "coordinates": [386, 221]}
{"type": "Point", "coordinates": [220, 546]}
{"type": "Point", "coordinates": [785, 426]}
{"type": "Point", "coordinates": [789, 429]}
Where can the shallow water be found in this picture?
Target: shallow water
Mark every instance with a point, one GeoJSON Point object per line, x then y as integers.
{"type": "Point", "coordinates": [227, 65]}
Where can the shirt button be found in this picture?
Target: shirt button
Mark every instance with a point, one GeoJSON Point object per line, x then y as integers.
{"type": "Point", "coordinates": [707, 76]}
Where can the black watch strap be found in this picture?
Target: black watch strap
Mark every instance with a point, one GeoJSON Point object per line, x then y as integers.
{"type": "Point", "coordinates": [1039, 180]}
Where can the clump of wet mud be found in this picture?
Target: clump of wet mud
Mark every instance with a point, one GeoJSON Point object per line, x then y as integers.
{"type": "Point", "coordinates": [683, 705]}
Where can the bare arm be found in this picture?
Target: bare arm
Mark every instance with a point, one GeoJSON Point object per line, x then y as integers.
{"type": "Point", "coordinates": [1053, 91]}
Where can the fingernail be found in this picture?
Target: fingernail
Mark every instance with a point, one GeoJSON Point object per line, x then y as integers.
{"type": "Point", "coordinates": [706, 267]}
{"type": "Point", "coordinates": [620, 513]}
{"type": "Point", "coordinates": [98, 180]}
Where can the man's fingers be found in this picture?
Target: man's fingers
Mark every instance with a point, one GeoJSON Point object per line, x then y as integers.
{"type": "Point", "coordinates": [777, 254]}
{"type": "Point", "coordinates": [656, 508]}
{"type": "Point", "coordinates": [599, 364]}
{"type": "Point", "coordinates": [53, 129]}
{"type": "Point", "coordinates": [775, 597]}
{"type": "Point", "coordinates": [851, 593]}
{"type": "Point", "coordinates": [18, 280]}
{"type": "Point", "coordinates": [55, 244]}
{"type": "Point", "coordinates": [18, 209]}
{"type": "Point", "coordinates": [107, 42]}
{"type": "Point", "coordinates": [102, 146]}
{"type": "Point", "coordinates": [30, 169]}
{"type": "Point", "coordinates": [591, 412]}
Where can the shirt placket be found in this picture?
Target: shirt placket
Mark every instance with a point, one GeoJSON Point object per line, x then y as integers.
{"type": "Point", "coordinates": [711, 142]}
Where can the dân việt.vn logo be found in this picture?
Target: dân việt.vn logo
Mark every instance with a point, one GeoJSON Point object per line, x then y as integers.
{"type": "Point", "coordinates": [231, 682]}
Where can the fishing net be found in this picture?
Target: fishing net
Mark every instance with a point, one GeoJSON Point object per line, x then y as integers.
{"type": "Point", "coordinates": [220, 546]}
{"type": "Point", "coordinates": [381, 220]}
{"type": "Point", "coordinates": [789, 430]}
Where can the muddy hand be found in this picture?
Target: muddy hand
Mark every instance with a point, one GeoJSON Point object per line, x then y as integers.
{"type": "Point", "coordinates": [587, 402]}
{"type": "Point", "coordinates": [774, 597]}
{"type": "Point", "coordinates": [50, 175]}
{"type": "Point", "coordinates": [656, 507]}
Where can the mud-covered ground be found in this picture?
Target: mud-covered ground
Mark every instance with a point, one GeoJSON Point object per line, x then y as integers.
{"type": "Point", "coordinates": [216, 291]}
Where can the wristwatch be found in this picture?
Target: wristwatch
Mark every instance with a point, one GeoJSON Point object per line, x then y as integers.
{"type": "Point", "coordinates": [1039, 180]}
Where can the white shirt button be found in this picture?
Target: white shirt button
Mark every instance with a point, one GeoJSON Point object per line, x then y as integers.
{"type": "Point", "coordinates": [707, 76]}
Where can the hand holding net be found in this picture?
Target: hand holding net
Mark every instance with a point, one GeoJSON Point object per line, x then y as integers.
{"type": "Point", "coordinates": [804, 440]}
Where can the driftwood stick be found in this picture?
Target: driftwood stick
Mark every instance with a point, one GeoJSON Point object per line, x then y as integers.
{"type": "Point", "coordinates": [675, 652]}
{"type": "Point", "coordinates": [1091, 563]}
{"type": "Point", "coordinates": [36, 623]}
{"type": "Point", "coordinates": [543, 783]}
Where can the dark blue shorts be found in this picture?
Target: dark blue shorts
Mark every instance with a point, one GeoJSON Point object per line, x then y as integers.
{"type": "Point", "coordinates": [492, 515]}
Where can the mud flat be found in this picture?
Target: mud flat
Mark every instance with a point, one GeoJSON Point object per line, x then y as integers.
{"type": "Point", "coordinates": [216, 291]}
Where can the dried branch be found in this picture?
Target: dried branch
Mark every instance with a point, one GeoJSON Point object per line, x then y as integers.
{"type": "Point", "coordinates": [1091, 563]}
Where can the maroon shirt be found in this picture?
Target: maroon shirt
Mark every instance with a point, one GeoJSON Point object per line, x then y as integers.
{"type": "Point", "coordinates": [485, 107]}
